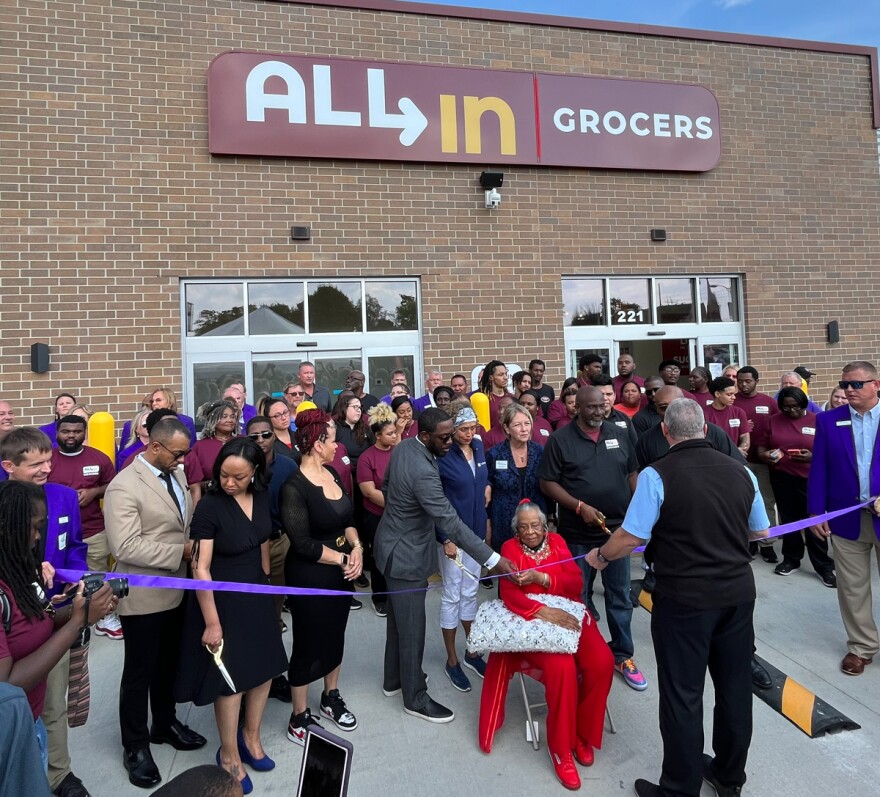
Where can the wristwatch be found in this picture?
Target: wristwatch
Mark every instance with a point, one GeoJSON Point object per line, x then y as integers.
{"type": "Point", "coordinates": [600, 557]}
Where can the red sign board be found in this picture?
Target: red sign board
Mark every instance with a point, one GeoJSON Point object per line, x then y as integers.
{"type": "Point", "coordinates": [307, 107]}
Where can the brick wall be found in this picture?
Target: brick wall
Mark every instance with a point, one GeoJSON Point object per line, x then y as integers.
{"type": "Point", "coordinates": [108, 195]}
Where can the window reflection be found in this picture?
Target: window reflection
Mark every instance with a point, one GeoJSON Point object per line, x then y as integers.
{"type": "Point", "coordinates": [716, 358]}
{"type": "Point", "coordinates": [381, 368]}
{"type": "Point", "coordinates": [583, 302]}
{"type": "Point", "coordinates": [211, 379]}
{"type": "Point", "coordinates": [270, 376]}
{"type": "Point", "coordinates": [214, 308]}
{"type": "Point", "coordinates": [675, 301]}
{"type": "Point", "coordinates": [630, 301]}
{"type": "Point", "coordinates": [331, 371]}
{"type": "Point", "coordinates": [335, 307]}
{"type": "Point", "coordinates": [719, 299]}
{"type": "Point", "coordinates": [392, 306]}
{"type": "Point", "coordinates": [276, 308]}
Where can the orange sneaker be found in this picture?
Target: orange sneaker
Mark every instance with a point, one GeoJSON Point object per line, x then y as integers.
{"type": "Point", "coordinates": [583, 753]}
{"type": "Point", "coordinates": [565, 770]}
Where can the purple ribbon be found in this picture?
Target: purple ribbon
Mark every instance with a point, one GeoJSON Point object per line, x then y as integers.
{"type": "Point", "coordinates": [167, 582]}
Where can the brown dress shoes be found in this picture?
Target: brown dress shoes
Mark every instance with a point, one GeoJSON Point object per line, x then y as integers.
{"type": "Point", "coordinates": [853, 665]}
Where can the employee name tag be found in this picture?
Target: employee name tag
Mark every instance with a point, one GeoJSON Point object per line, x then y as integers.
{"type": "Point", "coordinates": [621, 424]}
{"type": "Point", "coordinates": [62, 541]}
{"type": "Point", "coordinates": [346, 460]}
{"type": "Point", "coordinates": [762, 410]}
{"type": "Point", "coordinates": [808, 430]}
{"type": "Point", "coordinates": [501, 464]}
{"type": "Point", "coordinates": [91, 470]}
{"type": "Point", "coordinates": [734, 422]}
{"type": "Point", "coordinates": [612, 443]}
{"type": "Point", "coordinates": [544, 433]}
{"type": "Point", "coordinates": [844, 423]}
{"type": "Point", "coordinates": [545, 399]}
{"type": "Point", "coordinates": [64, 519]}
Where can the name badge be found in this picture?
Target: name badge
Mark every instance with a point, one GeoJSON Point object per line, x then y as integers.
{"type": "Point", "coordinates": [843, 423]}
{"type": "Point", "coordinates": [545, 399]}
{"type": "Point", "coordinates": [64, 519]}
{"type": "Point", "coordinates": [91, 470]}
{"type": "Point", "coordinates": [62, 541]}
{"type": "Point", "coordinates": [734, 422]}
{"type": "Point", "coordinates": [762, 410]}
{"type": "Point", "coordinates": [346, 460]}
{"type": "Point", "coordinates": [544, 433]}
{"type": "Point", "coordinates": [808, 430]}
{"type": "Point", "coordinates": [621, 424]}
{"type": "Point", "coordinates": [611, 444]}
{"type": "Point", "coordinates": [642, 389]}
{"type": "Point", "coordinates": [501, 464]}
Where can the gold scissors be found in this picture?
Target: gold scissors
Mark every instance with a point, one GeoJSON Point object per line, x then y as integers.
{"type": "Point", "coordinates": [460, 564]}
{"type": "Point", "coordinates": [221, 666]}
{"type": "Point", "coordinates": [601, 518]}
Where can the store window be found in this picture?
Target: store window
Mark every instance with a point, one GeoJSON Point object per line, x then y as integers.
{"type": "Point", "coordinates": [675, 301]}
{"type": "Point", "coordinates": [630, 301]}
{"type": "Point", "coordinates": [583, 302]}
{"type": "Point", "coordinates": [719, 299]}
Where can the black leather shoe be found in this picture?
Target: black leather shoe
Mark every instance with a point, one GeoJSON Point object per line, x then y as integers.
{"type": "Point", "coordinates": [280, 689]}
{"type": "Point", "coordinates": [760, 677]}
{"type": "Point", "coordinates": [142, 770]}
{"type": "Point", "coordinates": [720, 789]}
{"type": "Point", "coordinates": [432, 712]}
{"type": "Point", "coordinates": [71, 786]}
{"type": "Point", "coordinates": [179, 736]}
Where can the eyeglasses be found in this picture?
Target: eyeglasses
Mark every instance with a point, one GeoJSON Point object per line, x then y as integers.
{"type": "Point", "coordinates": [261, 435]}
{"type": "Point", "coordinates": [295, 393]}
{"type": "Point", "coordinates": [175, 454]}
{"type": "Point", "coordinates": [855, 384]}
{"type": "Point", "coordinates": [650, 391]}
{"type": "Point", "coordinates": [672, 368]}
{"type": "Point", "coordinates": [536, 526]}
{"type": "Point", "coordinates": [278, 415]}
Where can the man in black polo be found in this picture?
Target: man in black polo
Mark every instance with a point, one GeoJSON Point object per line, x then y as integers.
{"type": "Point", "coordinates": [605, 384]}
{"type": "Point", "coordinates": [698, 544]}
{"type": "Point", "coordinates": [648, 417]}
{"type": "Point", "coordinates": [589, 469]}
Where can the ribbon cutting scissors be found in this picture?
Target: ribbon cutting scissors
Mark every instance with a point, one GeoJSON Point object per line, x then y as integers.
{"type": "Point", "coordinates": [220, 665]}
{"type": "Point", "coordinates": [460, 564]}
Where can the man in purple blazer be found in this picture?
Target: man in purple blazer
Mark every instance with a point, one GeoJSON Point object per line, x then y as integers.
{"type": "Point", "coordinates": [846, 471]}
{"type": "Point", "coordinates": [433, 381]}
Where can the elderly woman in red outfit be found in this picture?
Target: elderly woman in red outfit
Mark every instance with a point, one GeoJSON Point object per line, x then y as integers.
{"type": "Point", "coordinates": [576, 685]}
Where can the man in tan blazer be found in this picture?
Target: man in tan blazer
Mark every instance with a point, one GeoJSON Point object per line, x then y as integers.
{"type": "Point", "coordinates": [147, 510]}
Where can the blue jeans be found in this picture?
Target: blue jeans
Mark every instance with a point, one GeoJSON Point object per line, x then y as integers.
{"type": "Point", "coordinates": [618, 606]}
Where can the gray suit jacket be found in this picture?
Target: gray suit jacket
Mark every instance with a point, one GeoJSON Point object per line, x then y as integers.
{"type": "Point", "coordinates": [146, 535]}
{"type": "Point", "coordinates": [414, 505]}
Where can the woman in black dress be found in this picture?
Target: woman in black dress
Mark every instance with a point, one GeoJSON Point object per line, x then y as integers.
{"type": "Point", "coordinates": [230, 530]}
{"type": "Point", "coordinates": [325, 553]}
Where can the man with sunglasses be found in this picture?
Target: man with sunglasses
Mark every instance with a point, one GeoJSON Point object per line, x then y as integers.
{"type": "Point", "coordinates": [648, 417]}
{"type": "Point", "coordinates": [294, 395]}
{"type": "Point", "coordinates": [147, 510]}
{"type": "Point", "coordinates": [845, 470]}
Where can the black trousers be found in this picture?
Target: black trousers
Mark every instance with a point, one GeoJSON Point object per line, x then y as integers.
{"type": "Point", "coordinates": [687, 641]}
{"type": "Point", "coordinates": [790, 493]}
{"type": "Point", "coordinates": [368, 537]}
{"type": "Point", "coordinates": [152, 647]}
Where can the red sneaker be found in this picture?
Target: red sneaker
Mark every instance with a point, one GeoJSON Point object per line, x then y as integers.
{"type": "Point", "coordinates": [583, 753]}
{"type": "Point", "coordinates": [565, 770]}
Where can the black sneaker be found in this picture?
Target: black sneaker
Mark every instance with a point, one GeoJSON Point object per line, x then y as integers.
{"type": "Point", "coordinates": [768, 554]}
{"type": "Point", "coordinates": [828, 579]}
{"type": "Point", "coordinates": [333, 706]}
{"type": "Point", "coordinates": [355, 605]}
{"type": "Point", "coordinates": [72, 786]}
{"type": "Point", "coordinates": [709, 777]}
{"type": "Point", "coordinates": [381, 608]}
{"type": "Point", "coordinates": [362, 581]}
{"type": "Point", "coordinates": [786, 568]}
{"type": "Point", "coordinates": [298, 726]}
{"type": "Point", "coordinates": [280, 689]}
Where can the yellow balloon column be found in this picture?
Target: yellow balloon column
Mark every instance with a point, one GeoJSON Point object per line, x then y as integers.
{"type": "Point", "coordinates": [102, 434]}
{"type": "Point", "coordinates": [480, 403]}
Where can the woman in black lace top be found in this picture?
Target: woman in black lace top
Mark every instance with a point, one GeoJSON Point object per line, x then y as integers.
{"type": "Point", "coordinates": [325, 553]}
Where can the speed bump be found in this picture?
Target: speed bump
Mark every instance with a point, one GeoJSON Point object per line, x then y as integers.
{"type": "Point", "coordinates": [786, 696]}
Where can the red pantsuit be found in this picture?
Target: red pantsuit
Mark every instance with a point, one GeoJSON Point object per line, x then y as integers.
{"type": "Point", "coordinates": [576, 685]}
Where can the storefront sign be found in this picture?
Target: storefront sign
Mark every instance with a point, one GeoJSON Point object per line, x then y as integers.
{"type": "Point", "coordinates": [306, 107]}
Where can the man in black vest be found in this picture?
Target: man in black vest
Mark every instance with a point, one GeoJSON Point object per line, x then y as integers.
{"type": "Point", "coordinates": [698, 543]}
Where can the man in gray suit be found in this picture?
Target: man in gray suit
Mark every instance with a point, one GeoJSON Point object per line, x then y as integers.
{"type": "Point", "coordinates": [147, 510]}
{"type": "Point", "coordinates": [405, 550]}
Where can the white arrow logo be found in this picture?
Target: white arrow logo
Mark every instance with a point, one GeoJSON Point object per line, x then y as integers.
{"type": "Point", "coordinates": [411, 121]}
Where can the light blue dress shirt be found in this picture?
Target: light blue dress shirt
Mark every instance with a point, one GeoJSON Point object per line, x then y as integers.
{"type": "Point", "coordinates": [178, 490]}
{"type": "Point", "coordinates": [864, 430]}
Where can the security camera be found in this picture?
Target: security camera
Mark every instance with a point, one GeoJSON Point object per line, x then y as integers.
{"type": "Point", "coordinates": [493, 199]}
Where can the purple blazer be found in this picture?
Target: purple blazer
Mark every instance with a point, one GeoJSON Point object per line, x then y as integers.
{"type": "Point", "coordinates": [834, 476]}
{"type": "Point", "coordinates": [65, 548]}
{"type": "Point", "coordinates": [421, 403]}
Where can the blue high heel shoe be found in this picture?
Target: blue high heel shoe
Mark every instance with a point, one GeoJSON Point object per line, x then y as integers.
{"type": "Point", "coordinates": [246, 786]}
{"type": "Point", "coordinates": [263, 764]}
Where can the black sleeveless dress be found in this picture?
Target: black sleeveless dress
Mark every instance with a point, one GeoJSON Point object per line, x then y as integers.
{"type": "Point", "coordinates": [318, 622]}
{"type": "Point", "coordinates": [252, 648]}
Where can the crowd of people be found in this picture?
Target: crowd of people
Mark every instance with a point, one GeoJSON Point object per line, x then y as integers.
{"type": "Point", "coordinates": [353, 491]}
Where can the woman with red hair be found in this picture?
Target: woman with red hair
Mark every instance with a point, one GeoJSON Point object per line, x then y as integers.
{"type": "Point", "coordinates": [325, 553]}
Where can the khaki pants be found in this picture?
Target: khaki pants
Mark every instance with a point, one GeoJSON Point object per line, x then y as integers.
{"type": "Point", "coordinates": [277, 554]}
{"type": "Point", "coordinates": [852, 563]}
{"type": "Point", "coordinates": [98, 554]}
{"type": "Point", "coordinates": [55, 720]}
{"type": "Point", "coordinates": [762, 474]}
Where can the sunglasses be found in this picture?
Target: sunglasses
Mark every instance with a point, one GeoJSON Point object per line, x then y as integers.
{"type": "Point", "coordinates": [855, 384]}
{"type": "Point", "coordinates": [650, 391]}
{"type": "Point", "coordinates": [294, 393]}
{"type": "Point", "coordinates": [261, 435]}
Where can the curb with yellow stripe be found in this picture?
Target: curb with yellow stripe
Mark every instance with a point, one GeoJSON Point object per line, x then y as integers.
{"type": "Point", "coordinates": [786, 696]}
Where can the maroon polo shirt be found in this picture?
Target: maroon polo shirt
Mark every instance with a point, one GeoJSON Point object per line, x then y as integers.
{"type": "Point", "coordinates": [784, 433]}
{"type": "Point", "coordinates": [86, 469]}
{"type": "Point", "coordinates": [731, 420]}
{"type": "Point", "coordinates": [759, 407]}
